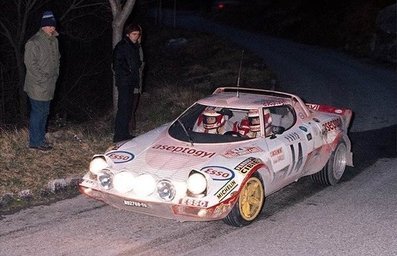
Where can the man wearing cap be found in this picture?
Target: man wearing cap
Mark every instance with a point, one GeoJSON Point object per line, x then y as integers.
{"type": "Point", "coordinates": [42, 69]}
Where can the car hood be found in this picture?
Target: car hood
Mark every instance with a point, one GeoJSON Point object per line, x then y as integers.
{"type": "Point", "coordinates": [167, 156]}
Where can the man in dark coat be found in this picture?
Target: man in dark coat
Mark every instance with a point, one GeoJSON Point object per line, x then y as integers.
{"type": "Point", "coordinates": [41, 59]}
{"type": "Point", "coordinates": [126, 64]}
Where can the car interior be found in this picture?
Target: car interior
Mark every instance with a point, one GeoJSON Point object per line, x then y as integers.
{"type": "Point", "coordinates": [190, 126]}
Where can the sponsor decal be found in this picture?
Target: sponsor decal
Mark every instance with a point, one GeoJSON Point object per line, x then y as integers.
{"type": "Point", "coordinates": [193, 202]}
{"type": "Point", "coordinates": [313, 106]}
{"type": "Point", "coordinates": [218, 173]}
{"type": "Point", "coordinates": [241, 151]}
{"type": "Point", "coordinates": [300, 157]}
{"type": "Point", "coordinates": [119, 157]}
{"type": "Point", "coordinates": [303, 128]}
{"type": "Point", "coordinates": [296, 159]}
{"type": "Point", "coordinates": [226, 189]}
{"type": "Point", "coordinates": [247, 165]}
{"type": "Point", "coordinates": [325, 108]}
{"type": "Point", "coordinates": [185, 151]}
{"type": "Point", "coordinates": [332, 125]}
{"type": "Point", "coordinates": [135, 204]}
{"type": "Point", "coordinates": [277, 155]}
{"type": "Point", "coordinates": [292, 137]}
{"type": "Point", "coordinates": [273, 103]}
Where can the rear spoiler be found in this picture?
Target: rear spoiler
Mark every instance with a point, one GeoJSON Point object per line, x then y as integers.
{"type": "Point", "coordinates": [345, 113]}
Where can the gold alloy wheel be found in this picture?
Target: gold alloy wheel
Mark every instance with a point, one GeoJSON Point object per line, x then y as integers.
{"type": "Point", "coordinates": [251, 199]}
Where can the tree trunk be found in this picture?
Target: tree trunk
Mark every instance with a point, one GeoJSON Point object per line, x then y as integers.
{"type": "Point", "coordinates": [117, 36]}
{"type": "Point", "coordinates": [120, 14]}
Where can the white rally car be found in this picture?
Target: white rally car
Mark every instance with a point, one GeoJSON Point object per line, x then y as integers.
{"type": "Point", "coordinates": [223, 156]}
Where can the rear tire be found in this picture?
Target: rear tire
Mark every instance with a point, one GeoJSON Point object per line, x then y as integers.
{"type": "Point", "coordinates": [334, 169]}
{"type": "Point", "coordinates": [249, 204]}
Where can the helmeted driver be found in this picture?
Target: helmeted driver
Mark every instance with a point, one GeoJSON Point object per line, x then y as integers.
{"type": "Point", "coordinates": [213, 121]}
{"type": "Point", "coordinates": [244, 127]}
{"type": "Point", "coordinates": [251, 127]}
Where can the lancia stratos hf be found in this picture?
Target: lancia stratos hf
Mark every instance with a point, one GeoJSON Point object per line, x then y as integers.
{"type": "Point", "coordinates": [223, 156]}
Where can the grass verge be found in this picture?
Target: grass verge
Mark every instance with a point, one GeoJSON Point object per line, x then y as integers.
{"type": "Point", "coordinates": [182, 66]}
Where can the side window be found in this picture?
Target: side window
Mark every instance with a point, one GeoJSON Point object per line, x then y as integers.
{"type": "Point", "coordinates": [283, 116]}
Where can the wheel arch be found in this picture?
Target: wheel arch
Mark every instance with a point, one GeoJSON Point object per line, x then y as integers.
{"type": "Point", "coordinates": [263, 173]}
{"type": "Point", "coordinates": [344, 138]}
{"type": "Point", "coordinates": [235, 216]}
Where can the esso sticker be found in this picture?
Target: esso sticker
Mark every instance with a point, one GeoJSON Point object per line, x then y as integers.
{"type": "Point", "coordinates": [218, 172]}
{"type": "Point", "coordinates": [119, 157]}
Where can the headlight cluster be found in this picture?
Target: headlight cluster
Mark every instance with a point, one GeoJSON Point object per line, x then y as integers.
{"type": "Point", "coordinates": [124, 182]}
{"type": "Point", "coordinates": [142, 185]}
{"type": "Point", "coordinates": [98, 170]}
{"type": "Point", "coordinates": [105, 179]}
{"type": "Point", "coordinates": [166, 190]}
{"type": "Point", "coordinates": [97, 164]}
{"type": "Point", "coordinates": [145, 184]}
{"type": "Point", "coordinates": [196, 183]}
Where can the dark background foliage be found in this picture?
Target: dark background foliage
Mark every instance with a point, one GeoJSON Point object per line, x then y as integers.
{"type": "Point", "coordinates": [84, 88]}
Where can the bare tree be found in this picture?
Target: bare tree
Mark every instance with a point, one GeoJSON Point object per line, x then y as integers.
{"type": "Point", "coordinates": [14, 25]}
{"type": "Point", "coordinates": [74, 11]}
{"type": "Point", "coordinates": [19, 20]}
{"type": "Point", "coordinates": [120, 11]}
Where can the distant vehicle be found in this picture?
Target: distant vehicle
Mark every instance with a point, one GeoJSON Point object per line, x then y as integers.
{"type": "Point", "coordinates": [223, 156]}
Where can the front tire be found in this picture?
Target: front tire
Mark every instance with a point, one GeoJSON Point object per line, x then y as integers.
{"type": "Point", "coordinates": [334, 169]}
{"type": "Point", "coordinates": [249, 204]}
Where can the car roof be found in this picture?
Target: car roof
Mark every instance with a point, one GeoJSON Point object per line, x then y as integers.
{"type": "Point", "coordinates": [246, 98]}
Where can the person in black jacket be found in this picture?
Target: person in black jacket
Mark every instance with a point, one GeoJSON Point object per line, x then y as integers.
{"type": "Point", "coordinates": [126, 64]}
{"type": "Point", "coordinates": [137, 91]}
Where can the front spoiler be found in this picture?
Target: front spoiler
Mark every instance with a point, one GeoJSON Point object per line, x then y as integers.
{"type": "Point", "coordinates": [176, 212]}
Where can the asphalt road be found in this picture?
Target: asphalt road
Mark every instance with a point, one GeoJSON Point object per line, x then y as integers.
{"type": "Point", "coordinates": [318, 75]}
{"type": "Point", "coordinates": [356, 217]}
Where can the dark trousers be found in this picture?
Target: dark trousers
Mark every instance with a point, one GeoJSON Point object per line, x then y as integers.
{"type": "Point", "coordinates": [124, 112]}
{"type": "Point", "coordinates": [38, 121]}
{"type": "Point", "coordinates": [134, 108]}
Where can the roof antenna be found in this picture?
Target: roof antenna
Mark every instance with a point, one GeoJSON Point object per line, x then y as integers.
{"type": "Point", "coordinates": [239, 71]}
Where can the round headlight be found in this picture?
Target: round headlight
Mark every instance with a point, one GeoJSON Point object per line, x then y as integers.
{"type": "Point", "coordinates": [145, 185]}
{"type": "Point", "coordinates": [124, 182]}
{"type": "Point", "coordinates": [105, 179]}
{"type": "Point", "coordinates": [166, 190]}
{"type": "Point", "coordinates": [196, 183]}
{"type": "Point", "coordinates": [97, 164]}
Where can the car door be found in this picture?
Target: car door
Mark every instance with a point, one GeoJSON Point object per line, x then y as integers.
{"type": "Point", "coordinates": [288, 150]}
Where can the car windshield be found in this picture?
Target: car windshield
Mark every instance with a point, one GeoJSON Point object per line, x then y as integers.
{"type": "Point", "coordinates": [208, 124]}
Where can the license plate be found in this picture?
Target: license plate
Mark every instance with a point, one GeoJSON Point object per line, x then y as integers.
{"type": "Point", "coordinates": [135, 204]}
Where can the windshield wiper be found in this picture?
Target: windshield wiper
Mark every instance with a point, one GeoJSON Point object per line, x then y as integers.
{"type": "Point", "coordinates": [186, 132]}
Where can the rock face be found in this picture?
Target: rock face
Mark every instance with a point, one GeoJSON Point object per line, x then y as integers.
{"type": "Point", "coordinates": [384, 44]}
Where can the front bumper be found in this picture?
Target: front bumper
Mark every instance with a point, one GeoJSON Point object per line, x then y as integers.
{"type": "Point", "coordinates": [177, 212]}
